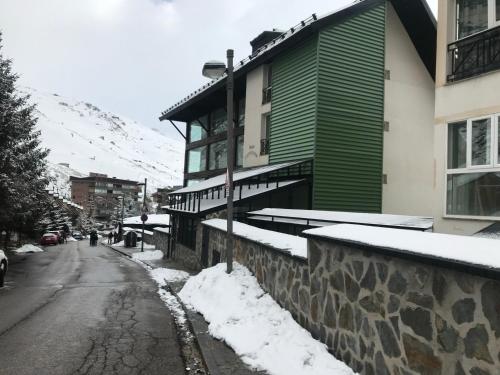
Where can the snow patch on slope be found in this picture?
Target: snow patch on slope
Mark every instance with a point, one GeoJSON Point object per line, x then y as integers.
{"type": "Point", "coordinates": [90, 139]}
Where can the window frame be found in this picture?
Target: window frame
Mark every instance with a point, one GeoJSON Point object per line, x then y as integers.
{"type": "Point", "coordinates": [491, 16]}
{"type": "Point", "coordinates": [494, 165]}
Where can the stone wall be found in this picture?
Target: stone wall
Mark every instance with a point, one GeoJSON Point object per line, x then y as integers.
{"type": "Point", "coordinates": [282, 275]}
{"type": "Point", "coordinates": [148, 238]}
{"type": "Point", "coordinates": [389, 315]}
{"type": "Point", "coordinates": [160, 240]}
{"type": "Point", "coordinates": [190, 258]}
{"type": "Point", "coordinates": [381, 314]}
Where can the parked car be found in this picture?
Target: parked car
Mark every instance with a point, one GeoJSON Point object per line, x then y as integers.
{"type": "Point", "coordinates": [77, 235]}
{"type": "Point", "coordinates": [49, 239]}
{"type": "Point", "coordinates": [4, 265]}
{"type": "Point", "coordinates": [59, 235]}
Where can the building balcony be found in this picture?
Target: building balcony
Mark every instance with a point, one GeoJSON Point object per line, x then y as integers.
{"type": "Point", "coordinates": [474, 55]}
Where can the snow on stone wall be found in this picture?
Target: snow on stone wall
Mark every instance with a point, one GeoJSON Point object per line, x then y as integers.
{"type": "Point", "coordinates": [380, 314]}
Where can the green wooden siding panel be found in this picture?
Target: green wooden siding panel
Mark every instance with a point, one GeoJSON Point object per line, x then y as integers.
{"type": "Point", "coordinates": [293, 116]}
{"type": "Point", "coordinates": [350, 110]}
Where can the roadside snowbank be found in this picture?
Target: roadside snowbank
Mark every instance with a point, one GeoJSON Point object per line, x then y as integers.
{"type": "Point", "coordinates": [148, 255]}
{"type": "Point", "coordinates": [162, 276]}
{"type": "Point", "coordinates": [28, 248]}
{"type": "Point", "coordinates": [255, 326]}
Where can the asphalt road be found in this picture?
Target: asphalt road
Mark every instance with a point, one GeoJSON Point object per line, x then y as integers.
{"type": "Point", "coordinates": [76, 309]}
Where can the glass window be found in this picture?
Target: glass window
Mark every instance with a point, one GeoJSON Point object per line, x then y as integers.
{"type": "Point", "coordinates": [474, 194]}
{"type": "Point", "coordinates": [497, 6]}
{"type": "Point", "coordinates": [197, 159]}
{"type": "Point", "coordinates": [193, 182]}
{"type": "Point", "coordinates": [481, 142]}
{"type": "Point", "coordinates": [239, 151]}
{"type": "Point", "coordinates": [219, 121]}
{"type": "Point", "coordinates": [197, 128]}
{"type": "Point", "coordinates": [241, 112]}
{"type": "Point", "coordinates": [498, 140]}
{"type": "Point", "coordinates": [472, 17]}
{"type": "Point", "coordinates": [457, 145]}
{"type": "Point", "coordinates": [218, 155]}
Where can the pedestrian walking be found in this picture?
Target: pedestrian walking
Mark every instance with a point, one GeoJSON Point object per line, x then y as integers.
{"type": "Point", "coordinates": [110, 238]}
{"type": "Point", "coordinates": [65, 237]}
{"type": "Point", "coordinates": [115, 236]}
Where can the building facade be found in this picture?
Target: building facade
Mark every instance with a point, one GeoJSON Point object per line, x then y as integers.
{"type": "Point", "coordinates": [466, 133]}
{"type": "Point", "coordinates": [101, 196]}
{"type": "Point", "coordinates": [351, 94]}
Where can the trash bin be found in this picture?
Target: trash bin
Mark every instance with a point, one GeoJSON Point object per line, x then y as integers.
{"type": "Point", "coordinates": [130, 239]}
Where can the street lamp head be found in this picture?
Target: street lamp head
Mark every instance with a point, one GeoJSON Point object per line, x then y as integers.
{"type": "Point", "coordinates": [213, 69]}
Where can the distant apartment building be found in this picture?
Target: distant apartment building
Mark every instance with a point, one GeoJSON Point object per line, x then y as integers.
{"type": "Point", "coordinates": [101, 196]}
{"type": "Point", "coordinates": [467, 116]}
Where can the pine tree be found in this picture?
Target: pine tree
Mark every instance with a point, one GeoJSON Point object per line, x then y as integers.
{"type": "Point", "coordinates": [22, 160]}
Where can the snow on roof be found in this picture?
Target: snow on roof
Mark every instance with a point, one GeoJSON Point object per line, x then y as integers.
{"type": "Point", "coordinates": [237, 176]}
{"type": "Point", "coordinates": [163, 219]}
{"type": "Point", "coordinates": [464, 249]}
{"type": "Point", "coordinates": [296, 246]}
{"type": "Point", "coordinates": [246, 192]}
{"type": "Point", "coordinates": [162, 229]}
{"type": "Point", "coordinates": [325, 218]}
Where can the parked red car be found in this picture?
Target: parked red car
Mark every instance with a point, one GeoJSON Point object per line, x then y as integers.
{"type": "Point", "coordinates": [49, 239]}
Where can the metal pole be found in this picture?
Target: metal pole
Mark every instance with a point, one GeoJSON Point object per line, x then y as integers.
{"type": "Point", "coordinates": [143, 211]}
{"type": "Point", "coordinates": [230, 160]}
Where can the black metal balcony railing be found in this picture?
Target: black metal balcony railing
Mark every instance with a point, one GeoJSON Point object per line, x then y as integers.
{"type": "Point", "coordinates": [476, 54]}
{"type": "Point", "coordinates": [266, 95]}
{"type": "Point", "coordinates": [264, 146]}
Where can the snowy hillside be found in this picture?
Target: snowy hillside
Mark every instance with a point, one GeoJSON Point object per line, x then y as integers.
{"type": "Point", "coordinates": [92, 140]}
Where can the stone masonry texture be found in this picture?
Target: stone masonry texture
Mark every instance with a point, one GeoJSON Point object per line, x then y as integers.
{"type": "Point", "coordinates": [380, 314]}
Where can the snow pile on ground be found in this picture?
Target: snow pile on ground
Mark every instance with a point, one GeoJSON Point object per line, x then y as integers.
{"type": "Point", "coordinates": [465, 249]}
{"type": "Point", "coordinates": [148, 255]}
{"type": "Point", "coordinates": [71, 239]}
{"type": "Point", "coordinates": [28, 248]}
{"type": "Point", "coordinates": [295, 245]}
{"type": "Point", "coordinates": [162, 276]}
{"type": "Point", "coordinates": [255, 326]}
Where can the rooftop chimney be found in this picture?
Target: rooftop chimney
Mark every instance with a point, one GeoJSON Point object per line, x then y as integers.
{"type": "Point", "coordinates": [264, 38]}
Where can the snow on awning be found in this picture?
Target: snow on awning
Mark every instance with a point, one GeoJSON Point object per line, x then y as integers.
{"type": "Point", "coordinates": [207, 203]}
{"type": "Point", "coordinates": [220, 180]}
{"type": "Point", "coordinates": [314, 218]}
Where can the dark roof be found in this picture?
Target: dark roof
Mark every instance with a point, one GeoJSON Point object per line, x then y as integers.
{"type": "Point", "coordinates": [415, 15]}
{"type": "Point", "coordinates": [100, 178]}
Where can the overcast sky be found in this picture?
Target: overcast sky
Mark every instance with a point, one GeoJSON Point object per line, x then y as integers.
{"type": "Point", "coordinates": [137, 57]}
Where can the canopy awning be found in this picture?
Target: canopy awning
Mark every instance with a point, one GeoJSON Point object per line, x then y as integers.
{"type": "Point", "coordinates": [315, 218]}
{"type": "Point", "coordinates": [211, 194]}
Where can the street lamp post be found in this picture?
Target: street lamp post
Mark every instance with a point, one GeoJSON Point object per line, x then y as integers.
{"type": "Point", "coordinates": [214, 69]}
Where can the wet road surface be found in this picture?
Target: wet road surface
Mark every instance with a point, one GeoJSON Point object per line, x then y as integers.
{"type": "Point", "coordinates": [76, 309]}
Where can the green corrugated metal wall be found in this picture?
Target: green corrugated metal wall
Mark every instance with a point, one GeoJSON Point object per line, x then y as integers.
{"type": "Point", "coordinates": [293, 116]}
{"type": "Point", "coordinates": [328, 103]}
{"type": "Point", "coordinates": [350, 114]}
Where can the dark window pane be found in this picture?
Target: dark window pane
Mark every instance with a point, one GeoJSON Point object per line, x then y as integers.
{"type": "Point", "coordinates": [457, 145]}
{"type": "Point", "coordinates": [472, 17]}
{"type": "Point", "coordinates": [239, 151]}
{"type": "Point", "coordinates": [218, 155]}
{"type": "Point", "coordinates": [197, 159]}
{"type": "Point", "coordinates": [481, 142]}
{"type": "Point", "coordinates": [241, 112]}
{"type": "Point", "coordinates": [498, 10]}
{"type": "Point", "coordinates": [197, 129]}
{"type": "Point", "coordinates": [219, 121]}
{"type": "Point", "coordinates": [474, 194]}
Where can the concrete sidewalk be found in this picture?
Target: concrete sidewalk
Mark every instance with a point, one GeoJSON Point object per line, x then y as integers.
{"type": "Point", "coordinates": [219, 358]}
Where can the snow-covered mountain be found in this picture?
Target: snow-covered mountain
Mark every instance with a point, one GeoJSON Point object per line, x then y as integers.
{"type": "Point", "coordinates": [89, 139]}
